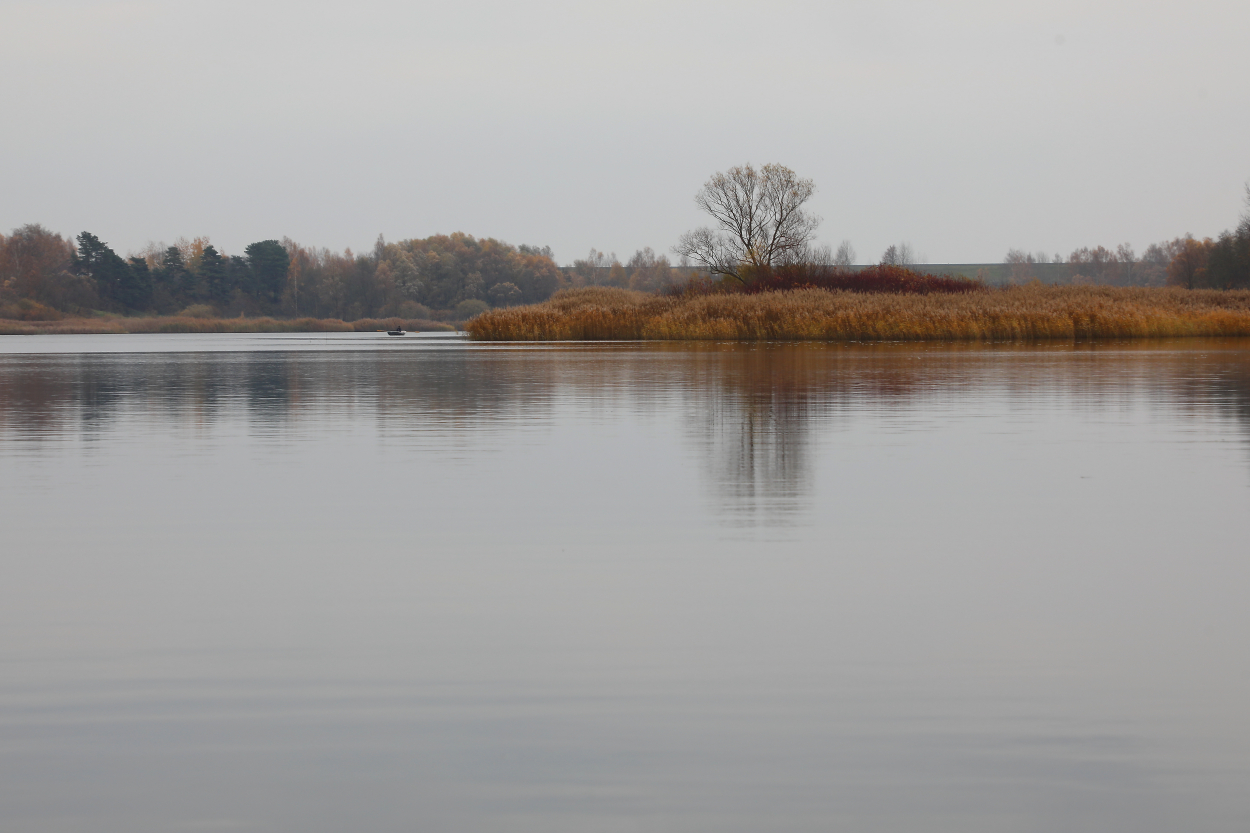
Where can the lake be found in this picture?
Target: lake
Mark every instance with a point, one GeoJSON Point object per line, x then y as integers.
{"type": "Point", "coordinates": [340, 582]}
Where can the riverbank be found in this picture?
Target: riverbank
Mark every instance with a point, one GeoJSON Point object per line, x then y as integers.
{"type": "Point", "coordinates": [188, 324]}
{"type": "Point", "coordinates": [1010, 314]}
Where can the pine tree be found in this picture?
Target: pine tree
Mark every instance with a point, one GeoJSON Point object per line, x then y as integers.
{"type": "Point", "coordinates": [269, 262]}
{"type": "Point", "coordinates": [214, 274]}
{"type": "Point", "coordinates": [114, 278]}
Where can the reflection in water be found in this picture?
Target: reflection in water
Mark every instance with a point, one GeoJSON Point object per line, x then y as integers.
{"type": "Point", "coordinates": [753, 412]}
{"type": "Point", "coordinates": [619, 587]}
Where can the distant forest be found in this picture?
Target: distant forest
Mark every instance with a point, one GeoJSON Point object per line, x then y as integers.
{"type": "Point", "coordinates": [444, 277]}
{"type": "Point", "coordinates": [1223, 263]}
{"type": "Point", "coordinates": [454, 277]}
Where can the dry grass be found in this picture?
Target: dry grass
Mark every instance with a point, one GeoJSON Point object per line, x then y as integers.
{"type": "Point", "coordinates": [1016, 313]}
{"type": "Point", "coordinates": [190, 324]}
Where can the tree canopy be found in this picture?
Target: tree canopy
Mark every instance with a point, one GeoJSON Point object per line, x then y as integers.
{"type": "Point", "coordinates": [269, 262]}
{"type": "Point", "coordinates": [760, 221]}
{"type": "Point", "coordinates": [114, 278]}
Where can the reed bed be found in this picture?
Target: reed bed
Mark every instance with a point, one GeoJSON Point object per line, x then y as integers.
{"type": "Point", "coordinates": [189, 324]}
{"type": "Point", "coordinates": [1010, 314]}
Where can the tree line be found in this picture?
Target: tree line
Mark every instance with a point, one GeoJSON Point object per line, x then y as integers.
{"type": "Point", "coordinates": [411, 278]}
{"type": "Point", "coordinates": [1121, 266]}
{"type": "Point", "coordinates": [760, 224]}
{"type": "Point", "coordinates": [450, 276]}
{"type": "Point", "coordinates": [1220, 263]}
{"type": "Point", "coordinates": [41, 270]}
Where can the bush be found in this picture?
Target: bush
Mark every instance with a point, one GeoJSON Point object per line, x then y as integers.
{"type": "Point", "coordinates": [882, 278]}
{"type": "Point", "coordinates": [28, 309]}
{"type": "Point", "coordinates": [411, 310]}
{"type": "Point", "coordinates": [470, 309]}
{"type": "Point", "coordinates": [199, 311]}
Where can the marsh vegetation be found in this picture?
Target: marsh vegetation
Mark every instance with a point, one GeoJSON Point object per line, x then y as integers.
{"type": "Point", "coordinates": [1012, 313]}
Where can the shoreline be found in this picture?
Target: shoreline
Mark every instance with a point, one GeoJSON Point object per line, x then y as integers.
{"type": "Point", "coordinates": [121, 325]}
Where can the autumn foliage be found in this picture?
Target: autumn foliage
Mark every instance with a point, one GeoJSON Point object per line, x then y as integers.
{"type": "Point", "coordinates": [44, 275]}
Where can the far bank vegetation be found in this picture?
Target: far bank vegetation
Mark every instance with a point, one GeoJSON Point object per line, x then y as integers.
{"type": "Point", "coordinates": [761, 242]}
{"type": "Point", "coordinates": [442, 279]}
{"type": "Point", "coordinates": [205, 322]}
{"type": "Point", "coordinates": [766, 282]}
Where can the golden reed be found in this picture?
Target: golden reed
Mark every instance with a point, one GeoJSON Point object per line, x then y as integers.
{"type": "Point", "coordinates": [1009, 314]}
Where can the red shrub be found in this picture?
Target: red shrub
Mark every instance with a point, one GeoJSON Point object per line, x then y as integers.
{"type": "Point", "coordinates": [882, 278]}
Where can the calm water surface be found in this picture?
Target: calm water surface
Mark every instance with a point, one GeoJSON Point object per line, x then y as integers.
{"type": "Point", "coordinates": [306, 583]}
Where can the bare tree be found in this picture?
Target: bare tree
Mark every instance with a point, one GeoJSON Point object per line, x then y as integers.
{"type": "Point", "coordinates": [845, 255]}
{"type": "Point", "coordinates": [1127, 258]}
{"type": "Point", "coordinates": [1098, 264]}
{"type": "Point", "coordinates": [811, 253]}
{"type": "Point", "coordinates": [1020, 264]}
{"type": "Point", "coordinates": [593, 268]}
{"type": "Point", "coordinates": [760, 221]}
{"type": "Point", "coordinates": [648, 271]}
{"type": "Point", "coordinates": [901, 255]}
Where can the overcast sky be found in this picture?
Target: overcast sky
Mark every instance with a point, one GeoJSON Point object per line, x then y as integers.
{"type": "Point", "coordinates": [965, 128]}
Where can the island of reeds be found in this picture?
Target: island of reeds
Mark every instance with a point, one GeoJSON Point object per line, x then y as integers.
{"type": "Point", "coordinates": [846, 313]}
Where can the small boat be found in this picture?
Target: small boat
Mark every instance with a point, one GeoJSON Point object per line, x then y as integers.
{"type": "Point", "coordinates": [395, 332]}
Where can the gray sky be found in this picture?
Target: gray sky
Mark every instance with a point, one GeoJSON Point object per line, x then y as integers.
{"type": "Point", "coordinates": [965, 128]}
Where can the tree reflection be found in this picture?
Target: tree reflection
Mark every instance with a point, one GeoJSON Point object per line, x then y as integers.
{"type": "Point", "coordinates": [754, 413]}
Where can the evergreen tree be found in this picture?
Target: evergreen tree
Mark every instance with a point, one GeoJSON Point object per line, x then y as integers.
{"type": "Point", "coordinates": [136, 290]}
{"type": "Point", "coordinates": [89, 255]}
{"type": "Point", "coordinates": [269, 262]}
{"type": "Point", "coordinates": [241, 276]}
{"type": "Point", "coordinates": [177, 278]}
{"type": "Point", "coordinates": [215, 275]}
{"type": "Point", "coordinates": [172, 270]}
{"type": "Point", "coordinates": [114, 279]}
